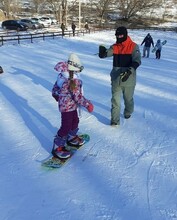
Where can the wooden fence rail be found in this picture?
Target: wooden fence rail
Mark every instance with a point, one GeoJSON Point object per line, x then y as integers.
{"type": "Point", "coordinates": [43, 35]}
{"type": "Point", "coordinates": [9, 36]}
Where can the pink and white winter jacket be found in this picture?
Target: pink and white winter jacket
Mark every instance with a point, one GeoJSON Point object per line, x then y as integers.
{"type": "Point", "coordinates": [67, 100]}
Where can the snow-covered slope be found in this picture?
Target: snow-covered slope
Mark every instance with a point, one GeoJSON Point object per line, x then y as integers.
{"type": "Point", "coordinates": [123, 173]}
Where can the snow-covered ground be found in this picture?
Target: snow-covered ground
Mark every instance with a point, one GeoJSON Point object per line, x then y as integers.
{"type": "Point", "coordinates": [125, 173]}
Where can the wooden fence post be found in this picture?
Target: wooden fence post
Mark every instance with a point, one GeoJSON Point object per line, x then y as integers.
{"type": "Point", "coordinates": [2, 40]}
{"type": "Point", "coordinates": [18, 39]}
{"type": "Point", "coordinates": [31, 38]}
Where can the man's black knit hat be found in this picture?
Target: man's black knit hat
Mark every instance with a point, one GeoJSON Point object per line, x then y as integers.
{"type": "Point", "coordinates": [121, 31]}
{"type": "Point", "coordinates": [121, 34]}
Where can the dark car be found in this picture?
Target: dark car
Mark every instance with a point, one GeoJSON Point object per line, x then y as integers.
{"type": "Point", "coordinates": [14, 25]}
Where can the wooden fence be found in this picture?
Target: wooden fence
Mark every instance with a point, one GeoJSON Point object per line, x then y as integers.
{"type": "Point", "coordinates": [42, 35]}
{"type": "Point", "coordinates": [19, 37]}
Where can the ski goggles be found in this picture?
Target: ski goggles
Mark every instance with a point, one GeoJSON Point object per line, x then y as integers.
{"type": "Point", "coordinates": [76, 65]}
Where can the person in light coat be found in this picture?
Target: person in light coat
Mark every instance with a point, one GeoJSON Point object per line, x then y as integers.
{"type": "Point", "coordinates": [159, 48]}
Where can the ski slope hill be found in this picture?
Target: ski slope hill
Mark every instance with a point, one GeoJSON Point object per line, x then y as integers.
{"type": "Point", "coordinates": [123, 173]}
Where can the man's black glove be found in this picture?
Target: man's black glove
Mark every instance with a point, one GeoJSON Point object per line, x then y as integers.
{"type": "Point", "coordinates": [102, 51]}
{"type": "Point", "coordinates": [125, 75]}
{"type": "Point", "coordinates": [1, 70]}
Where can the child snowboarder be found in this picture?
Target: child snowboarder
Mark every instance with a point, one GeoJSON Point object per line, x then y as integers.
{"type": "Point", "coordinates": [159, 48]}
{"type": "Point", "coordinates": [67, 91]}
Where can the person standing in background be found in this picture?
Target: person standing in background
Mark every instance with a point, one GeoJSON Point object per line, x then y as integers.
{"type": "Point", "coordinates": [86, 26]}
{"type": "Point", "coordinates": [63, 29]}
{"type": "Point", "coordinates": [73, 26]}
{"type": "Point", "coordinates": [148, 41]}
{"type": "Point", "coordinates": [159, 48]}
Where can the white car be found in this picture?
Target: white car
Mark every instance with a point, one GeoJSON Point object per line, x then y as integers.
{"type": "Point", "coordinates": [43, 21]}
{"type": "Point", "coordinates": [54, 21]}
{"type": "Point", "coordinates": [46, 21]}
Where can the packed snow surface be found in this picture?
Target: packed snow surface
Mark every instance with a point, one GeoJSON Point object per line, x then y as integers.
{"type": "Point", "coordinates": [124, 173]}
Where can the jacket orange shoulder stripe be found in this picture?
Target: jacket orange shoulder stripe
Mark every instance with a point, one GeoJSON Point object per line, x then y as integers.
{"type": "Point", "coordinates": [124, 48]}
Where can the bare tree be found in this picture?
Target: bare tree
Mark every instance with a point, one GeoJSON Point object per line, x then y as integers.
{"type": "Point", "coordinates": [37, 4]}
{"type": "Point", "coordinates": [167, 6]}
{"type": "Point", "coordinates": [10, 8]}
{"type": "Point", "coordinates": [6, 7]}
{"type": "Point", "coordinates": [174, 3]}
{"type": "Point", "coordinates": [101, 7]}
{"type": "Point", "coordinates": [55, 6]}
{"type": "Point", "coordinates": [59, 8]}
{"type": "Point", "coordinates": [64, 11]}
{"type": "Point", "coordinates": [132, 8]}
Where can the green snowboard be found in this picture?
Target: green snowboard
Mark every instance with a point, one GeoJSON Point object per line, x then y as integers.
{"type": "Point", "coordinates": [54, 162]}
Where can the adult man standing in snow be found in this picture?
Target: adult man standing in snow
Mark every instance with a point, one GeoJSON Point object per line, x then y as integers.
{"type": "Point", "coordinates": [126, 59]}
{"type": "Point", "coordinates": [147, 45]}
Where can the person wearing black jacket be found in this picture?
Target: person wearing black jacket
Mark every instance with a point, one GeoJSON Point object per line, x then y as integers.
{"type": "Point", "coordinates": [63, 29]}
{"type": "Point", "coordinates": [73, 26]}
{"type": "Point", "coordinates": [147, 45]}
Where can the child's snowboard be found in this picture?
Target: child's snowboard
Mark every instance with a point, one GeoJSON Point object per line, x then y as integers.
{"type": "Point", "coordinates": [54, 162]}
{"type": "Point", "coordinates": [155, 48]}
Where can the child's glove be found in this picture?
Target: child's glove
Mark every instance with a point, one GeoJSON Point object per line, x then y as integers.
{"type": "Point", "coordinates": [125, 75]}
{"type": "Point", "coordinates": [102, 51]}
{"type": "Point", "coordinates": [90, 107]}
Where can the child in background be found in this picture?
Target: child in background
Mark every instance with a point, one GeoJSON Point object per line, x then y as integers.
{"type": "Point", "coordinates": [67, 91]}
{"type": "Point", "coordinates": [159, 48]}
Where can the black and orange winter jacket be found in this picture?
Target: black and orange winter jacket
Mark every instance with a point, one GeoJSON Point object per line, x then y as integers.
{"type": "Point", "coordinates": [125, 55]}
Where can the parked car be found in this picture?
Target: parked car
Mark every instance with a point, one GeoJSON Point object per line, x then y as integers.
{"type": "Point", "coordinates": [46, 21]}
{"type": "Point", "coordinates": [31, 23]}
{"type": "Point", "coordinates": [53, 20]}
{"type": "Point", "coordinates": [37, 21]}
{"type": "Point", "coordinates": [14, 25]}
{"type": "Point", "coordinates": [43, 21]}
